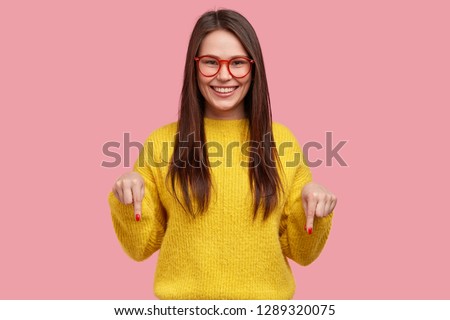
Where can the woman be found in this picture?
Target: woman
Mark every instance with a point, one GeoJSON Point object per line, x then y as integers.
{"type": "Point", "coordinates": [223, 193]}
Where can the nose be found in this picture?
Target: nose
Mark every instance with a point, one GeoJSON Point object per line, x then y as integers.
{"type": "Point", "coordinates": [224, 74]}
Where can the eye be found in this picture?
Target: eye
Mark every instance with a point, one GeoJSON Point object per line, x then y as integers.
{"type": "Point", "coordinates": [209, 61]}
{"type": "Point", "coordinates": [238, 63]}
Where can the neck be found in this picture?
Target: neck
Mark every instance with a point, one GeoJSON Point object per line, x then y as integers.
{"type": "Point", "coordinates": [236, 113]}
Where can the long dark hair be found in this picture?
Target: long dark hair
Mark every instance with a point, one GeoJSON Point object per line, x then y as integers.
{"type": "Point", "coordinates": [189, 166]}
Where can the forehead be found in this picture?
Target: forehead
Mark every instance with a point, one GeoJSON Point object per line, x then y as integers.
{"type": "Point", "coordinates": [221, 43]}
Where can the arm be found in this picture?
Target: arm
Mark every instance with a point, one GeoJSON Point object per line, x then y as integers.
{"type": "Point", "coordinates": [140, 239]}
{"type": "Point", "coordinates": [296, 243]}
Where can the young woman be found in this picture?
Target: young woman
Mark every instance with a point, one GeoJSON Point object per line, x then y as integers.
{"type": "Point", "coordinates": [223, 193]}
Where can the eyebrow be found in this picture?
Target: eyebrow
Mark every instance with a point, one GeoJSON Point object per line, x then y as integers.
{"type": "Point", "coordinates": [232, 57]}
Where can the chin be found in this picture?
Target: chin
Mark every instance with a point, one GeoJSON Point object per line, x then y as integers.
{"type": "Point", "coordinates": [223, 108]}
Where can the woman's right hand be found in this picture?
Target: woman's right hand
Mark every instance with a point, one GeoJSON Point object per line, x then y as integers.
{"type": "Point", "coordinates": [130, 188]}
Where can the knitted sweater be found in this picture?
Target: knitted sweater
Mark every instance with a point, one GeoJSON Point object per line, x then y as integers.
{"type": "Point", "coordinates": [224, 253]}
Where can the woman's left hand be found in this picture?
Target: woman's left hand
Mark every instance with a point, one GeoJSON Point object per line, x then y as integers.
{"type": "Point", "coordinates": [317, 202]}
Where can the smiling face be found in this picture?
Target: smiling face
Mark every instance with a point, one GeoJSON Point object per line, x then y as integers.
{"type": "Point", "coordinates": [224, 94]}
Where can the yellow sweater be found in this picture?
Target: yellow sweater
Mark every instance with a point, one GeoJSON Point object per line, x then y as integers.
{"type": "Point", "coordinates": [222, 254]}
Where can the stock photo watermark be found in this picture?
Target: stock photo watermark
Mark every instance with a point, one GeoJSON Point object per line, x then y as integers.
{"type": "Point", "coordinates": [222, 154]}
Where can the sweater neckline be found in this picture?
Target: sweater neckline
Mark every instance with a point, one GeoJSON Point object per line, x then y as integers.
{"type": "Point", "coordinates": [226, 124]}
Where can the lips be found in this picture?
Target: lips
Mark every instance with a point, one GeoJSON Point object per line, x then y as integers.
{"type": "Point", "coordinates": [224, 89]}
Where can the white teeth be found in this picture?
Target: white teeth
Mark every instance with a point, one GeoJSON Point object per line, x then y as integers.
{"type": "Point", "coordinates": [224, 90]}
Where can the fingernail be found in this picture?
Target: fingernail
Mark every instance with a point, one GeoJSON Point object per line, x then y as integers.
{"type": "Point", "coordinates": [309, 230]}
{"type": "Point", "coordinates": [305, 227]}
{"type": "Point", "coordinates": [138, 217]}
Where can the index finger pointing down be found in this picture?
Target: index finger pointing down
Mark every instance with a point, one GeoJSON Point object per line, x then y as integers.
{"type": "Point", "coordinates": [310, 211]}
{"type": "Point", "coordinates": [137, 201]}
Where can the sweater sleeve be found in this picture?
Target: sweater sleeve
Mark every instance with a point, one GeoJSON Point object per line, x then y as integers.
{"type": "Point", "coordinates": [141, 239]}
{"type": "Point", "coordinates": [296, 243]}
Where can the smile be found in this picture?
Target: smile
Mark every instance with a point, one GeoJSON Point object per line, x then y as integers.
{"type": "Point", "coordinates": [224, 89]}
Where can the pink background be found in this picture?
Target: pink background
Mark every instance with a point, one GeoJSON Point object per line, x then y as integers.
{"type": "Point", "coordinates": [77, 74]}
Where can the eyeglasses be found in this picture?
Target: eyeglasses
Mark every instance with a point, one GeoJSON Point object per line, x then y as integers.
{"type": "Point", "coordinates": [238, 67]}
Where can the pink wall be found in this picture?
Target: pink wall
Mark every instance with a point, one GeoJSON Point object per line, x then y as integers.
{"type": "Point", "coordinates": [75, 75]}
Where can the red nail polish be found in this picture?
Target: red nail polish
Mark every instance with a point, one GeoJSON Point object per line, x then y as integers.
{"type": "Point", "coordinates": [305, 228]}
{"type": "Point", "coordinates": [138, 217]}
{"type": "Point", "coordinates": [309, 230]}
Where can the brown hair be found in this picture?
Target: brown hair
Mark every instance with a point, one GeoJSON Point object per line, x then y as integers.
{"type": "Point", "coordinates": [189, 164]}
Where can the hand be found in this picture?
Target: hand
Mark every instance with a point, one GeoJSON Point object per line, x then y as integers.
{"type": "Point", "coordinates": [317, 202]}
{"type": "Point", "coordinates": [130, 188]}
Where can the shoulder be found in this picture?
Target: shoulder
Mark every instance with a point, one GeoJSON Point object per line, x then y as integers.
{"type": "Point", "coordinates": [289, 150]}
{"type": "Point", "coordinates": [158, 143]}
{"type": "Point", "coordinates": [281, 133]}
{"type": "Point", "coordinates": [164, 133]}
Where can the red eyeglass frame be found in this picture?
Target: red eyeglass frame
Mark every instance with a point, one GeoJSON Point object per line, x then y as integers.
{"type": "Point", "coordinates": [221, 61]}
